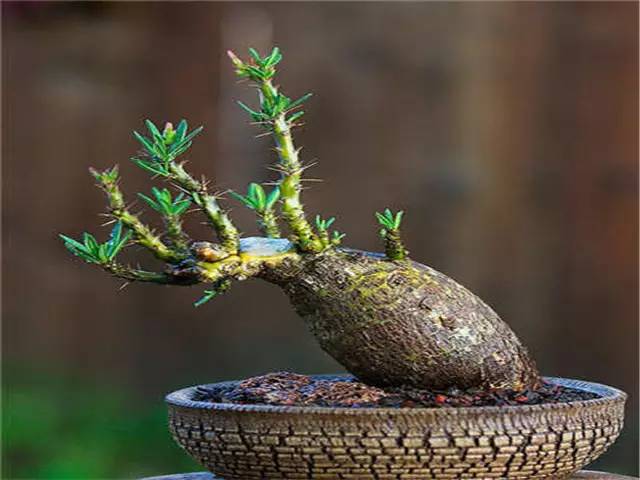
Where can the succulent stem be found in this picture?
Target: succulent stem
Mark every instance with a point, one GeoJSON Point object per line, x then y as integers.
{"type": "Point", "coordinates": [390, 233]}
{"type": "Point", "coordinates": [276, 116]}
{"type": "Point", "coordinates": [179, 239]}
{"type": "Point", "coordinates": [393, 246]}
{"type": "Point", "coordinates": [137, 275]}
{"type": "Point", "coordinates": [290, 185]}
{"type": "Point", "coordinates": [171, 209]}
{"type": "Point", "coordinates": [143, 235]}
{"type": "Point", "coordinates": [222, 224]}
{"type": "Point", "coordinates": [268, 224]}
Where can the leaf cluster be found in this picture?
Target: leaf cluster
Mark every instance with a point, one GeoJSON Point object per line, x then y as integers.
{"type": "Point", "coordinates": [260, 68]}
{"type": "Point", "coordinates": [388, 220]}
{"type": "Point", "coordinates": [278, 104]}
{"type": "Point", "coordinates": [323, 225]}
{"type": "Point", "coordinates": [256, 198]}
{"type": "Point", "coordinates": [101, 253]}
{"type": "Point", "coordinates": [164, 203]}
{"type": "Point", "coordinates": [272, 103]}
{"type": "Point", "coordinates": [106, 177]}
{"type": "Point", "coordinates": [162, 148]}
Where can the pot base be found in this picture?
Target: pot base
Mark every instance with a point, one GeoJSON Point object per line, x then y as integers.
{"type": "Point", "coordinates": [241, 442]}
{"type": "Point", "coordinates": [582, 475]}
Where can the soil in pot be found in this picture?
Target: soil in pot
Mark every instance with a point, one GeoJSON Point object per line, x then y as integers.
{"type": "Point", "coordinates": [288, 389]}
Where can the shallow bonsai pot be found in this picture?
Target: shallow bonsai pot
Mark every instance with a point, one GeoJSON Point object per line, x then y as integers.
{"type": "Point", "coordinates": [240, 442]}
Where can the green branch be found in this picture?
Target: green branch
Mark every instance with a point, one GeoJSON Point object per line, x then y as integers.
{"type": "Point", "coordinates": [104, 254]}
{"type": "Point", "coordinates": [137, 275]}
{"type": "Point", "coordinates": [143, 235]}
{"type": "Point", "coordinates": [161, 151]}
{"type": "Point", "coordinates": [277, 115]}
{"type": "Point", "coordinates": [390, 233]}
{"type": "Point", "coordinates": [263, 205]}
{"type": "Point", "coordinates": [171, 210]}
{"type": "Point", "coordinates": [93, 252]}
{"type": "Point", "coordinates": [327, 239]}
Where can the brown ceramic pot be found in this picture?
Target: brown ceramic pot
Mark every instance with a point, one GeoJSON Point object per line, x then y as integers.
{"type": "Point", "coordinates": [240, 442]}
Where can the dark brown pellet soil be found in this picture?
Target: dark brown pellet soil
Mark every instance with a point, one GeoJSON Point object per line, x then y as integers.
{"type": "Point", "coordinates": [284, 388]}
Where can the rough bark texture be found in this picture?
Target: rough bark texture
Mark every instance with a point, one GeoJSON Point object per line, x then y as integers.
{"type": "Point", "coordinates": [403, 323]}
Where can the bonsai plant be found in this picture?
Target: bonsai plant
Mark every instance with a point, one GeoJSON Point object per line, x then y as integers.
{"type": "Point", "coordinates": [407, 333]}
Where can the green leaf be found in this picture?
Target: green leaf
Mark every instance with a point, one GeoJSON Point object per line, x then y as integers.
{"type": "Point", "coordinates": [323, 225]}
{"type": "Point", "coordinates": [300, 101]}
{"type": "Point", "coordinates": [256, 73]}
{"type": "Point", "coordinates": [116, 233]}
{"type": "Point", "coordinates": [295, 116]}
{"type": "Point", "coordinates": [116, 241]}
{"type": "Point", "coordinates": [246, 201]}
{"type": "Point", "coordinates": [164, 203]}
{"type": "Point", "coordinates": [389, 220]}
{"type": "Point", "coordinates": [337, 237]}
{"type": "Point", "coordinates": [148, 146]}
{"type": "Point", "coordinates": [73, 245]}
{"type": "Point", "coordinates": [274, 58]}
{"type": "Point", "coordinates": [281, 103]}
{"type": "Point", "coordinates": [163, 196]}
{"type": "Point", "coordinates": [151, 202]}
{"type": "Point", "coordinates": [79, 250]}
{"type": "Point", "coordinates": [247, 109]}
{"type": "Point", "coordinates": [181, 206]}
{"type": "Point", "coordinates": [179, 149]}
{"type": "Point", "coordinates": [237, 196]}
{"type": "Point", "coordinates": [101, 253]}
{"type": "Point", "coordinates": [123, 242]}
{"type": "Point", "coordinates": [208, 295]}
{"type": "Point", "coordinates": [105, 176]}
{"type": "Point", "coordinates": [219, 287]}
{"type": "Point", "coordinates": [90, 242]}
{"type": "Point", "coordinates": [160, 149]}
{"type": "Point", "coordinates": [260, 197]}
{"type": "Point", "coordinates": [272, 198]}
{"type": "Point", "coordinates": [398, 219]}
{"type": "Point", "coordinates": [256, 56]}
{"type": "Point", "coordinates": [190, 137]}
{"type": "Point", "coordinates": [181, 130]}
{"type": "Point", "coordinates": [381, 219]}
{"type": "Point", "coordinates": [153, 130]}
{"type": "Point", "coordinates": [256, 199]}
{"type": "Point", "coordinates": [151, 166]}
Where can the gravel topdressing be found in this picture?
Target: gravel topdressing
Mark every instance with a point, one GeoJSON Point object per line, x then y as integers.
{"type": "Point", "coordinates": [285, 388]}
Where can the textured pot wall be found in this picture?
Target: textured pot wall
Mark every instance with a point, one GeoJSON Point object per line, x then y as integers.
{"type": "Point", "coordinates": [507, 131]}
{"type": "Point", "coordinates": [529, 442]}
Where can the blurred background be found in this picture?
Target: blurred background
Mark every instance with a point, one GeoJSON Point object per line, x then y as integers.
{"type": "Point", "coordinates": [507, 131]}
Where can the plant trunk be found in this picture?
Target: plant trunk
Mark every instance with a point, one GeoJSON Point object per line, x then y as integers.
{"type": "Point", "coordinates": [401, 323]}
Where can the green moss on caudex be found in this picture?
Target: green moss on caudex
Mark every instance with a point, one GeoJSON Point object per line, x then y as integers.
{"type": "Point", "coordinates": [389, 320]}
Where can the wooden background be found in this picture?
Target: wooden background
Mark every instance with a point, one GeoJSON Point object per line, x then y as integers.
{"type": "Point", "coordinates": [507, 131]}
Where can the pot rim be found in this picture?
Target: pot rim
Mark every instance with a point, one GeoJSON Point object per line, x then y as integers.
{"type": "Point", "coordinates": [608, 395]}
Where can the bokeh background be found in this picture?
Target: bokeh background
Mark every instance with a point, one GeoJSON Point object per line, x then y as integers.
{"type": "Point", "coordinates": [507, 131]}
